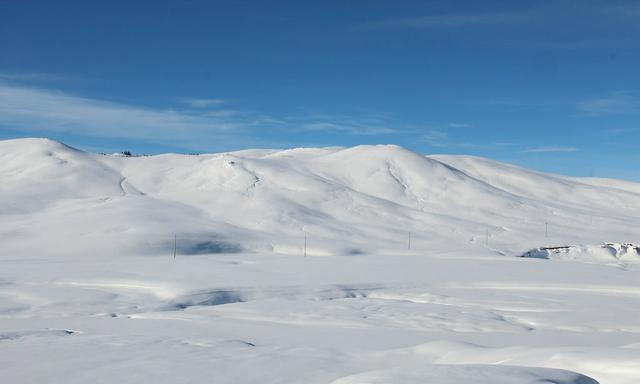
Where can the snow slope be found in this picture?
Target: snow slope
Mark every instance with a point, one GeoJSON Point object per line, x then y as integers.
{"type": "Point", "coordinates": [90, 291]}
{"type": "Point", "coordinates": [356, 200]}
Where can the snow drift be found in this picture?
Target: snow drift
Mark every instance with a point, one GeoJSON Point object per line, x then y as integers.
{"type": "Point", "coordinates": [607, 253]}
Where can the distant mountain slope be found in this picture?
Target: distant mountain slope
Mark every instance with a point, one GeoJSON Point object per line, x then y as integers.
{"type": "Point", "coordinates": [585, 192]}
{"type": "Point", "coordinates": [37, 172]}
{"type": "Point", "coordinates": [364, 199]}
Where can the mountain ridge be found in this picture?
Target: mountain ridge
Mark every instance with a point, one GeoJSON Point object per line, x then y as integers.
{"type": "Point", "coordinates": [360, 199]}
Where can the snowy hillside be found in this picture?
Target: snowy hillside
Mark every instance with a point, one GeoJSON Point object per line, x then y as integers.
{"type": "Point", "coordinates": [412, 274]}
{"type": "Point", "coordinates": [364, 199]}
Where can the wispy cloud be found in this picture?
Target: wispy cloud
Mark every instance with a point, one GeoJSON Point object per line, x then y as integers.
{"type": "Point", "coordinates": [450, 20]}
{"type": "Point", "coordinates": [579, 44]}
{"type": "Point", "coordinates": [513, 102]}
{"type": "Point", "coordinates": [36, 110]}
{"type": "Point", "coordinates": [558, 12]}
{"type": "Point", "coordinates": [551, 149]}
{"type": "Point", "coordinates": [453, 139]}
{"type": "Point", "coordinates": [617, 103]}
{"type": "Point", "coordinates": [622, 130]}
{"type": "Point", "coordinates": [629, 10]}
{"type": "Point", "coordinates": [435, 138]}
{"type": "Point", "coordinates": [357, 126]}
{"type": "Point", "coordinates": [203, 103]}
{"type": "Point", "coordinates": [459, 125]}
{"type": "Point", "coordinates": [35, 77]}
{"type": "Point", "coordinates": [441, 136]}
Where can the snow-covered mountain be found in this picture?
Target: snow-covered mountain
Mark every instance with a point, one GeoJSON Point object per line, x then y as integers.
{"type": "Point", "coordinates": [365, 199]}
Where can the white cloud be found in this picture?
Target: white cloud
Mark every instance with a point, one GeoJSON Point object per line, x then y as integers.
{"type": "Point", "coordinates": [550, 149]}
{"type": "Point", "coordinates": [442, 139]}
{"type": "Point", "coordinates": [38, 110]}
{"type": "Point", "coordinates": [348, 126]}
{"type": "Point", "coordinates": [459, 125]}
{"type": "Point", "coordinates": [513, 102]}
{"type": "Point", "coordinates": [617, 103]}
{"type": "Point", "coordinates": [622, 130]}
{"type": "Point", "coordinates": [435, 138]}
{"type": "Point", "coordinates": [35, 77]}
{"type": "Point", "coordinates": [204, 103]}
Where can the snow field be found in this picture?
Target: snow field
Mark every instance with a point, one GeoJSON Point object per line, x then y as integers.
{"type": "Point", "coordinates": [90, 291]}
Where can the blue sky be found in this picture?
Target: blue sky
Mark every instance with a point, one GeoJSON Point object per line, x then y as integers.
{"type": "Point", "coordinates": [551, 85]}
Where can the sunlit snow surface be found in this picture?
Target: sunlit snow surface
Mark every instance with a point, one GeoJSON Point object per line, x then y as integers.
{"type": "Point", "coordinates": [90, 291]}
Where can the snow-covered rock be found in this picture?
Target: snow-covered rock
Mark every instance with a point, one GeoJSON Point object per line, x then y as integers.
{"type": "Point", "coordinates": [607, 253]}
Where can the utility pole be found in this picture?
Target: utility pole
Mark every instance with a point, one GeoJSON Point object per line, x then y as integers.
{"type": "Point", "coordinates": [546, 229]}
{"type": "Point", "coordinates": [409, 247]}
{"type": "Point", "coordinates": [486, 237]}
{"type": "Point", "coordinates": [305, 245]}
{"type": "Point", "coordinates": [175, 245]}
